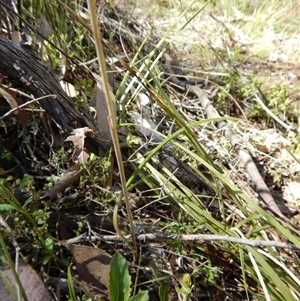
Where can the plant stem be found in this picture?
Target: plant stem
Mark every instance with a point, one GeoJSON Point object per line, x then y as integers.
{"type": "Point", "coordinates": [112, 120]}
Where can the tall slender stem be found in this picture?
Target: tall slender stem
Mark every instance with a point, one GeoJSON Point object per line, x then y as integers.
{"type": "Point", "coordinates": [111, 118]}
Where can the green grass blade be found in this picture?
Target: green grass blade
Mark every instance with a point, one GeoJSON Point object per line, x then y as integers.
{"type": "Point", "coordinates": [271, 278]}
{"type": "Point", "coordinates": [71, 286]}
{"type": "Point", "coordinates": [12, 267]}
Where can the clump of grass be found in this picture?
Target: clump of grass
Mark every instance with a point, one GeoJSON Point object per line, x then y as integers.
{"type": "Point", "coordinates": [161, 166]}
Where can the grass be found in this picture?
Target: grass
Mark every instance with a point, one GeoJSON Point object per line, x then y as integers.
{"type": "Point", "coordinates": [163, 164]}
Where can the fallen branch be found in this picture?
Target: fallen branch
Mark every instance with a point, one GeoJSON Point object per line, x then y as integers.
{"type": "Point", "coordinates": [25, 105]}
{"type": "Point", "coordinates": [194, 237]}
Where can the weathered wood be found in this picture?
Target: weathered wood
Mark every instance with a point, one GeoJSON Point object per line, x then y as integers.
{"type": "Point", "coordinates": [24, 70]}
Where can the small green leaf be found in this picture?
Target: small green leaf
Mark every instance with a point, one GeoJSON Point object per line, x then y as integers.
{"type": "Point", "coordinates": [49, 244]}
{"type": "Point", "coordinates": [46, 260]}
{"type": "Point", "coordinates": [119, 279]}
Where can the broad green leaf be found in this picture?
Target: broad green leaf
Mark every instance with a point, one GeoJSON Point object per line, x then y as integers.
{"type": "Point", "coordinates": [119, 279]}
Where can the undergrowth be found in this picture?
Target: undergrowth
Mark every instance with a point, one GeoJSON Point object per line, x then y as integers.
{"type": "Point", "coordinates": [181, 178]}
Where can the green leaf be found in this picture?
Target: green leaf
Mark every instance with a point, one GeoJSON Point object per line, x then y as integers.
{"type": "Point", "coordinates": [9, 197]}
{"type": "Point", "coordinates": [163, 289]}
{"type": "Point", "coordinates": [6, 207]}
{"type": "Point", "coordinates": [46, 259]}
{"type": "Point", "coordinates": [141, 296]}
{"type": "Point", "coordinates": [119, 279]}
{"type": "Point", "coordinates": [49, 244]}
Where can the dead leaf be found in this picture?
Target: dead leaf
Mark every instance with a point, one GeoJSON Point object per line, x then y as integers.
{"type": "Point", "coordinates": [16, 36]}
{"type": "Point", "coordinates": [70, 178]}
{"type": "Point", "coordinates": [93, 267]}
{"type": "Point", "coordinates": [101, 105]}
{"type": "Point", "coordinates": [33, 285]}
{"type": "Point", "coordinates": [44, 27]}
{"type": "Point", "coordinates": [78, 136]}
{"type": "Point", "coordinates": [260, 146]}
{"type": "Point", "coordinates": [69, 88]}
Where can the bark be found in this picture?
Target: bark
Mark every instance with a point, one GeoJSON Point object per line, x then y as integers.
{"type": "Point", "coordinates": [23, 69]}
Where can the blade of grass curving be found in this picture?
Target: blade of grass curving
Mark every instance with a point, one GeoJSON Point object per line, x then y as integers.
{"type": "Point", "coordinates": [12, 200]}
{"type": "Point", "coordinates": [258, 228]}
{"type": "Point", "coordinates": [236, 192]}
{"type": "Point", "coordinates": [273, 279]}
{"type": "Point", "coordinates": [8, 286]}
{"type": "Point", "coordinates": [246, 220]}
{"type": "Point", "coordinates": [71, 286]}
{"type": "Point", "coordinates": [242, 262]}
{"type": "Point", "coordinates": [282, 266]}
{"type": "Point", "coordinates": [191, 207]}
{"type": "Point", "coordinates": [168, 140]}
{"type": "Point", "coordinates": [164, 102]}
{"type": "Point", "coordinates": [12, 268]}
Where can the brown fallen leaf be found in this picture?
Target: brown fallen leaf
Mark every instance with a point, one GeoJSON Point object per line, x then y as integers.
{"type": "Point", "coordinates": [77, 137]}
{"type": "Point", "coordinates": [101, 105]}
{"type": "Point", "coordinates": [93, 267]}
{"type": "Point", "coordinates": [33, 285]}
{"type": "Point", "coordinates": [70, 178]}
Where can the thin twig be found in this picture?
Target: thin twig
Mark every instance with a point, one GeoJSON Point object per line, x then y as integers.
{"type": "Point", "coordinates": [25, 105]}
